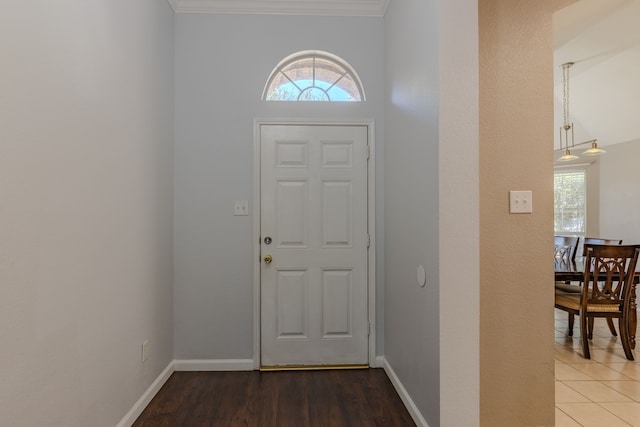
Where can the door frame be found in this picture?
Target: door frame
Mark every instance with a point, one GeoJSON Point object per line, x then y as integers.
{"type": "Point", "coordinates": [371, 226]}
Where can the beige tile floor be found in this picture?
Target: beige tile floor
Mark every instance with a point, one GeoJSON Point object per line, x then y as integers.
{"type": "Point", "coordinates": [601, 392]}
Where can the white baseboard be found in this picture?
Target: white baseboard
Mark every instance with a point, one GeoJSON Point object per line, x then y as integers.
{"type": "Point", "coordinates": [182, 365]}
{"type": "Point", "coordinates": [378, 362]}
{"type": "Point", "coordinates": [213, 365]}
{"type": "Point", "coordinates": [144, 400]}
{"type": "Point", "coordinates": [406, 399]}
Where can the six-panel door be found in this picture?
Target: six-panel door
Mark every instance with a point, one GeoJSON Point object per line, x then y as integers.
{"type": "Point", "coordinates": [314, 227]}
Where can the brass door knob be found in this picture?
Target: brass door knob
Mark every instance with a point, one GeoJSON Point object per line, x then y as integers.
{"type": "Point", "coordinates": [268, 259]}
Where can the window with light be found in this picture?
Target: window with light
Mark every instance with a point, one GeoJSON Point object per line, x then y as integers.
{"type": "Point", "coordinates": [570, 202]}
{"type": "Point", "coordinates": [313, 76]}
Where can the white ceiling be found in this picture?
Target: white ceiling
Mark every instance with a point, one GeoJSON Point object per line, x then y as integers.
{"type": "Point", "coordinates": [284, 7]}
{"type": "Point", "coordinates": [602, 38]}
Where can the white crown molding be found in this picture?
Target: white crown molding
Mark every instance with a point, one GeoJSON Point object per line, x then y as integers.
{"type": "Point", "coordinates": [284, 7]}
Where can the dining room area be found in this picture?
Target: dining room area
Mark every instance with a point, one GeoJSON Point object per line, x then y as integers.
{"type": "Point", "coordinates": [603, 389]}
{"type": "Point", "coordinates": [597, 371]}
{"type": "Point", "coordinates": [597, 213]}
{"type": "Point", "coordinates": [597, 366]}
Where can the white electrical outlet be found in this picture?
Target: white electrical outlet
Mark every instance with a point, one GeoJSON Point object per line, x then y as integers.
{"type": "Point", "coordinates": [241, 207]}
{"type": "Point", "coordinates": [145, 350]}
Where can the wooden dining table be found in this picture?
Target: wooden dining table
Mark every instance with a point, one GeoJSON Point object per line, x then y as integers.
{"type": "Point", "coordinates": [573, 271]}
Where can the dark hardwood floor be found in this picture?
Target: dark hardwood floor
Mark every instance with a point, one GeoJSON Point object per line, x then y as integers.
{"type": "Point", "coordinates": [325, 398]}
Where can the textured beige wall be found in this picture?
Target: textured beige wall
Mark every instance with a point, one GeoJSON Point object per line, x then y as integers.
{"type": "Point", "coordinates": [516, 153]}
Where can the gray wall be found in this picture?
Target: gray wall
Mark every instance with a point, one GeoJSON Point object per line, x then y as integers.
{"type": "Point", "coordinates": [432, 209]}
{"type": "Point", "coordinates": [412, 221]}
{"type": "Point", "coordinates": [222, 63]}
{"type": "Point", "coordinates": [620, 192]}
{"type": "Point", "coordinates": [86, 148]}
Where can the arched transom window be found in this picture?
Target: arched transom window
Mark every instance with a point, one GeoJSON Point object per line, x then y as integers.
{"type": "Point", "coordinates": [313, 76]}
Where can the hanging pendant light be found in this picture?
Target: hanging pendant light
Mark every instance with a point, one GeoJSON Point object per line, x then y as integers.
{"type": "Point", "coordinates": [567, 156]}
{"type": "Point", "coordinates": [566, 130]}
{"type": "Point", "coordinates": [594, 150]}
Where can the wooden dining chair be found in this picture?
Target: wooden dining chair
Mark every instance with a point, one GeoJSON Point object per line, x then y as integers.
{"type": "Point", "coordinates": [599, 241]}
{"type": "Point", "coordinates": [607, 292]}
{"type": "Point", "coordinates": [565, 248]}
{"type": "Point", "coordinates": [564, 252]}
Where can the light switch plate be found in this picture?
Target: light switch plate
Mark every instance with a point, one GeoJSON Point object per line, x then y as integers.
{"type": "Point", "coordinates": [520, 202]}
{"type": "Point", "coordinates": [241, 207]}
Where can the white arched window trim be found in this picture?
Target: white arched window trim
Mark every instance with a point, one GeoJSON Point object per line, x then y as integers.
{"type": "Point", "coordinates": [343, 78]}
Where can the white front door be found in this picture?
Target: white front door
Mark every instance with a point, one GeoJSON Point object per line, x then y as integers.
{"type": "Point", "coordinates": [313, 210]}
